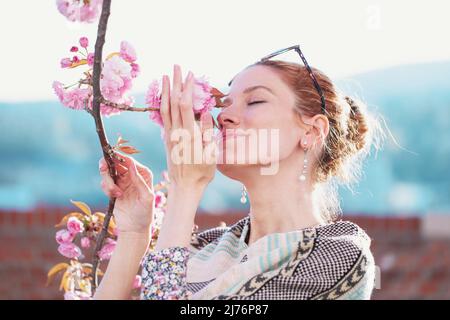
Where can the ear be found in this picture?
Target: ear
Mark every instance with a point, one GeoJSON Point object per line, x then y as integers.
{"type": "Point", "coordinates": [320, 127]}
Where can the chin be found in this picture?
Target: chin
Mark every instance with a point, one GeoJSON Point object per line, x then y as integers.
{"type": "Point", "coordinates": [238, 171]}
{"type": "Point", "coordinates": [232, 171]}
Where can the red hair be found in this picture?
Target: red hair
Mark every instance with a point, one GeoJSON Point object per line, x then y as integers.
{"type": "Point", "coordinates": [351, 127]}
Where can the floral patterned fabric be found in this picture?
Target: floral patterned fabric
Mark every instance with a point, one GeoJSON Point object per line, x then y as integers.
{"type": "Point", "coordinates": [164, 274]}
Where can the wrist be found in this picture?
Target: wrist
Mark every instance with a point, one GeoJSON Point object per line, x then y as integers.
{"type": "Point", "coordinates": [188, 191]}
{"type": "Point", "coordinates": [182, 203]}
{"type": "Point", "coordinates": [138, 238]}
{"type": "Point", "coordinates": [131, 246]}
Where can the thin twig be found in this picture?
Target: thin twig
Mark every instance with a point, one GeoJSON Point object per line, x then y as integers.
{"type": "Point", "coordinates": [125, 107]}
{"type": "Point", "coordinates": [106, 147]}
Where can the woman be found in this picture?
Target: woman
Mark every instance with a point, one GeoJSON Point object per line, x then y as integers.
{"type": "Point", "coordinates": [291, 245]}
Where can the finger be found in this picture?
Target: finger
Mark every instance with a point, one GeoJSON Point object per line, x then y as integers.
{"type": "Point", "coordinates": [138, 180]}
{"type": "Point", "coordinates": [121, 169]}
{"type": "Point", "coordinates": [210, 153]}
{"type": "Point", "coordinates": [103, 165]}
{"type": "Point", "coordinates": [165, 103]}
{"type": "Point", "coordinates": [141, 174]}
{"type": "Point", "coordinates": [107, 183]}
{"type": "Point", "coordinates": [126, 161]}
{"type": "Point", "coordinates": [175, 97]}
{"type": "Point", "coordinates": [207, 127]}
{"type": "Point", "coordinates": [186, 108]}
{"type": "Point", "coordinates": [123, 180]}
{"type": "Point", "coordinates": [146, 174]}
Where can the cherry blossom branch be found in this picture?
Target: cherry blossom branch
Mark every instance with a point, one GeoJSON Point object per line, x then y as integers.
{"type": "Point", "coordinates": [106, 147]}
{"type": "Point", "coordinates": [125, 107]}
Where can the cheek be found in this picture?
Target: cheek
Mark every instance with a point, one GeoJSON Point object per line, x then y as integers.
{"type": "Point", "coordinates": [256, 119]}
{"type": "Point", "coordinates": [266, 116]}
{"type": "Point", "coordinates": [277, 136]}
{"type": "Point", "coordinates": [288, 135]}
{"type": "Point", "coordinates": [278, 133]}
{"type": "Point", "coordinates": [288, 141]}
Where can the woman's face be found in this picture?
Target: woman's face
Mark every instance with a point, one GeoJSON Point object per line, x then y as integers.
{"type": "Point", "coordinates": [259, 124]}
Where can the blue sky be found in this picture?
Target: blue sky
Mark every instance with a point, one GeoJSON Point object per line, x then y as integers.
{"type": "Point", "coordinates": [219, 38]}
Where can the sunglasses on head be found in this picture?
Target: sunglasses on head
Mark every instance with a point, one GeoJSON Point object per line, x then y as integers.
{"type": "Point", "coordinates": [308, 68]}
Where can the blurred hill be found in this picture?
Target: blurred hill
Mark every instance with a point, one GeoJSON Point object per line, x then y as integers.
{"type": "Point", "coordinates": [50, 153]}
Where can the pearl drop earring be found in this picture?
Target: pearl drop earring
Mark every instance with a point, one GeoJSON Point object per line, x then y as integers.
{"type": "Point", "coordinates": [305, 163]}
{"type": "Point", "coordinates": [244, 195]}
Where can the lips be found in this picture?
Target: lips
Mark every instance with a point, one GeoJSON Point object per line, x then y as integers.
{"type": "Point", "coordinates": [230, 134]}
{"type": "Point", "coordinates": [223, 134]}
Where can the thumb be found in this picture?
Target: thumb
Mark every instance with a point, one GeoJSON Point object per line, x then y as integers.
{"type": "Point", "coordinates": [137, 179]}
{"type": "Point", "coordinates": [207, 127]}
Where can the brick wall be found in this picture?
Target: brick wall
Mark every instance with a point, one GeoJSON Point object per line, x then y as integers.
{"type": "Point", "coordinates": [412, 267]}
{"type": "Point", "coordinates": [27, 251]}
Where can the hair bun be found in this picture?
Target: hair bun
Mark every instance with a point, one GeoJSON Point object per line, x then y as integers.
{"type": "Point", "coordinates": [357, 124]}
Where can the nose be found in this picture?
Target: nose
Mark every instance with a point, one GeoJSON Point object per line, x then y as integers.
{"type": "Point", "coordinates": [227, 120]}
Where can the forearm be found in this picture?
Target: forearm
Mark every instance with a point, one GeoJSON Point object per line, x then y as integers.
{"type": "Point", "coordinates": [123, 266]}
{"type": "Point", "coordinates": [176, 229]}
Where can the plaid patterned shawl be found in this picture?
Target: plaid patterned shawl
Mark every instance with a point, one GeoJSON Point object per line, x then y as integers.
{"type": "Point", "coordinates": [331, 261]}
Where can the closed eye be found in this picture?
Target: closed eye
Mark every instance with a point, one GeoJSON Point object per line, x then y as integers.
{"type": "Point", "coordinates": [256, 102]}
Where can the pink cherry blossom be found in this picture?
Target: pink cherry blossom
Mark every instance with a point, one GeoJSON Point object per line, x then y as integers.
{"type": "Point", "coordinates": [106, 252]}
{"type": "Point", "coordinates": [127, 52]}
{"type": "Point", "coordinates": [74, 98]}
{"type": "Point", "coordinates": [203, 100]}
{"type": "Point", "coordinates": [90, 59]}
{"type": "Point", "coordinates": [66, 62]}
{"type": "Point", "coordinates": [77, 98]}
{"type": "Point", "coordinates": [58, 87]}
{"type": "Point", "coordinates": [108, 111]}
{"type": "Point", "coordinates": [90, 11]}
{"type": "Point", "coordinates": [85, 242]}
{"type": "Point", "coordinates": [137, 282]}
{"type": "Point", "coordinates": [74, 49]}
{"type": "Point", "coordinates": [116, 79]}
{"type": "Point", "coordinates": [74, 225]}
{"type": "Point", "coordinates": [64, 236]}
{"type": "Point", "coordinates": [153, 100]}
{"type": "Point", "coordinates": [160, 199]}
{"type": "Point", "coordinates": [76, 10]}
{"type": "Point", "coordinates": [135, 70]}
{"type": "Point", "coordinates": [69, 250]}
{"type": "Point", "coordinates": [84, 42]}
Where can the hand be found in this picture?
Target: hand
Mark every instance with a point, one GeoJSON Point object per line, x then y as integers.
{"type": "Point", "coordinates": [178, 119]}
{"type": "Point", "coordinates": [133, 210]}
